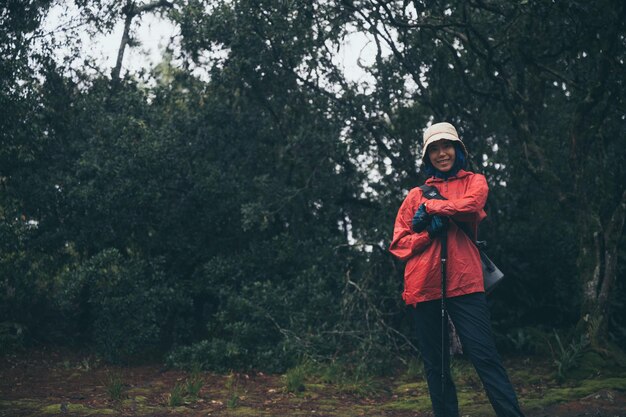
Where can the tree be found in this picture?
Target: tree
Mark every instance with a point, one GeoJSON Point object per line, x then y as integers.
{"type": "Point", "coordinates": [550, 70]}
{"type": "Point", "coordinates": [22, 134]}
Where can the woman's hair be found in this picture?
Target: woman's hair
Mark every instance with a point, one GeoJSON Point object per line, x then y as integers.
{"type": "Point", "coordinates": [459, 163]}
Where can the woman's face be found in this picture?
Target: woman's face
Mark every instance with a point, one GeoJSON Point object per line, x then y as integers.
{"type": "Point", "coordinates": [442, 154]}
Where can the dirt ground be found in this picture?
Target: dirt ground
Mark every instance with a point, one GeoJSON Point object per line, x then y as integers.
{"type": "Point", "coordinates": [45, 383]}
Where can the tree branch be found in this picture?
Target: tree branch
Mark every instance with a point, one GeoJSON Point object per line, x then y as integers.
{"type": "Point", "coordinates": [406, 25]}
{"type": "Point", "coordinates": [130, 10]}
{"type": "Point", "coordinates": [129, 15]}
{"type": "Point", "coordinates": [151, 6]}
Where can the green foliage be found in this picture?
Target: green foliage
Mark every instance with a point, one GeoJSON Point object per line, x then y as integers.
{"type": "Point", "coordinates": [414, 369]}
{"type": "Point", "coordinates": [521, 341]}
{"type": "Point", "coordinates": [295, 378]}
{"type": "Point", "coordinates": [531, 340]}
{"type": "Point", "coordinates": [114, 386]}
{"type": "Point", "coordinates": [567, 358]}
{"type": "Point", "coordinates": [232, 401]}
{"type": "Point", "coordinates": [124, 299]}
{"type": "Point", "coordinates": [194, 383]}
{"type": "Point", "coordinates": [232, 389]}
{"type": "Point", "coordinates": [186, 391]}
{"type": "Point", "coordinates": [330, 373]}
{"type": "Point", "coordinates": [362, 385]}
{"type": "Point", "coordinates": [11, 337]}
{"type": "Point", "coordinates": [177, 396]}
{"type": "Point", "coordinates": [193, 386]}
{"type": "Point", "coordinates": [462, 370]}
{"type": "Point", "coordinates": [357, 380]}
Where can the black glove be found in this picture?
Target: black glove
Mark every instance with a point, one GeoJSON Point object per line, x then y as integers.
{"type": "Point", "coordinates": [438, 225]}
{"type": "Point", "coordinates": [421, 219]}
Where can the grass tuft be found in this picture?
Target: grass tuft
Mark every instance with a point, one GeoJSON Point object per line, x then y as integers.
{"type": "Point", "coordinates": [177, 395]}
{"type": "Point", "coordinates": [331, 373]}
{"type": "Point", "coordinates": [114, 386]}
{"type": "Point", "coordinates": [294, 379]}
{"type": "Point", "coordinates": [414, 369]}
{"type": "Point", "coordinates": [193, 385]}
{"type": "Point", "coordinates": [233, 391]}
{"type": "Point", "coordinates": [568, 358]}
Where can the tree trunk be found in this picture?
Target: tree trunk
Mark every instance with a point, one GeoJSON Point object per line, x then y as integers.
{"type": "Point", "coordinates": [130, 10]}
{"type": "Point", "coordinates": [130, 14]}
{"type": "Point", "coordinates": [597, 267]}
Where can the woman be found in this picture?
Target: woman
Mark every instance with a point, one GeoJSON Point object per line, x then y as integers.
{"type": "Point", "coordinates": [419, 226]}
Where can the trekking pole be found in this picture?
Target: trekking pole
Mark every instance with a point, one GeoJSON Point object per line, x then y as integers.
{"type": "Point", "coordinates": [444, 256]}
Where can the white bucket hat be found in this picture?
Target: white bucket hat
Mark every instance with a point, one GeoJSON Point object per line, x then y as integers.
{"type": "Point", "coordinates": [439, 131]}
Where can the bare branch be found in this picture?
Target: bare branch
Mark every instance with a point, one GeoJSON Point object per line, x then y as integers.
{"type": "Point", "coordinates": [130, 10]}
{"type": "Point", "coordinates": [151, 6]}
{"type": "Point", "coordinates": [406, 25]}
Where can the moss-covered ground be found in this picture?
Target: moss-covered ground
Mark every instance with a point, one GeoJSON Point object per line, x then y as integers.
{"type": "Point", "coordinates": [47, 383]}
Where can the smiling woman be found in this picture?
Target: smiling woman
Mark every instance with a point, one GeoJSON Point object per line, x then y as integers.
{"type": "Point", "coordinates": [442, 155]}
{"type": "Point", "coordinates": [443, 275]}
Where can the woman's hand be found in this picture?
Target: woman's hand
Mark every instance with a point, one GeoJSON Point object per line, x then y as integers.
{"type": "Point", "coordinates": [437, 226]}
{"type": "Point", "coordinates": [421, 219]}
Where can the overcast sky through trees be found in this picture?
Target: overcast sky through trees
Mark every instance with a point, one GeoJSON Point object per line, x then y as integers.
{"type": "Point", "coordinates": [155, 34]}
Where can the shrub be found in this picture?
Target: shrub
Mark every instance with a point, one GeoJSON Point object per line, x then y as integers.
{"type": "Point", "coordinates": [123, 303]}
{"type": "Point", "coordinates": [177, 395]}
{"type": "Point", "coordinates": [11, 337]}
{"type": "Point", "coordinates": [114, 386]}
{"type": "Point", "coordinates": [232, 388]}
{"type": "Point", "coordinates": [193, 385]}
{"type": "Point", "coordinates": [568, 358]}
{"type": "Point", "coordinates": [294, 379]}
{"type": "Point", "coordinates": [414, 369]}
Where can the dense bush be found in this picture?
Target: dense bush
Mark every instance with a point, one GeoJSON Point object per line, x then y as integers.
{"type": "Point", "coordinates": [121, 305]}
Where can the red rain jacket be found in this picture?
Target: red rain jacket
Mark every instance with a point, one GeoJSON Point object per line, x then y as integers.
{"type": "Point", "coordinates": [466, 195]}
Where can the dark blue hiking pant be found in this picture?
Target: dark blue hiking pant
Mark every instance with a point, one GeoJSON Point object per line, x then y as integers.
{"type": "Point", "coordinates": [470, 316]}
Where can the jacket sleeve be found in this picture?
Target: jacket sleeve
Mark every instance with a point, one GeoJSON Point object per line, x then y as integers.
{"type": "Point", "coordinates": [472, 202]}
{"type": "Point", "coordinates": [406, 242]}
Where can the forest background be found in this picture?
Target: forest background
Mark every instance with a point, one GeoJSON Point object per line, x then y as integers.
{"type": "Point", "coordinates": [231, 208]}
